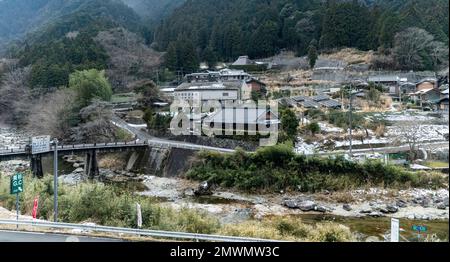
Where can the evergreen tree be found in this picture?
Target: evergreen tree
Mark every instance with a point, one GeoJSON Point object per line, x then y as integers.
{"type": "Point", "coordinates": [210, 57]}
{"type": "Point", "coordinates": [312, 53]}
{"type": "Point", "coordinates": [171, 57]}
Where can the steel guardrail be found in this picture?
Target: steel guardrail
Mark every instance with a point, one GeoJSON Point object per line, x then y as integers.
{"type": "Point", "coordinates": [139, 232]}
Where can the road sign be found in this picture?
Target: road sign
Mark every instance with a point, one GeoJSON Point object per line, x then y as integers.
{"type": "Point", "coordinates": [395, 230]}
{"type": "Point", "coordinates": [40, 144]}
{"type": "Point", "coordinates": [419, 228]}
{"type": "Point", "coordinates": [16, 184]}
{"type": "Point", "coordinates": [35, 207]}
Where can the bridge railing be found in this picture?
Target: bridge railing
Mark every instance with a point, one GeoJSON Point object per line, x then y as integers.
{"type": "Point", "coordinates": [138, 232]}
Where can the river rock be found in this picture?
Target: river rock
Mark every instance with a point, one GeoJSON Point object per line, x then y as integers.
{"type": "Point", "coordinates": [375, 214]}
{"type": "Point", "coordinates": [78, 170]}
{"type": "Point", "coordinates": [425, 202]}
{"type": "Point", "coordinates": [204, 189]}
{"type": "Point", "coordinates": [392, 208]}
{"type": "Point", "coordinates": [189, 192]}
{"type": "Point", "coordinates": [441, 206]}
{"type": "Point", "coordinates": [401, 203]}
{"type": "Point", "coordinates": [307, 206]}
{"type": "Point", "coordinates": [289, 203]}
{"type": "Point", "coordinates": [321, 209]}
{"type": "Point", "coordinates": [347, 207]}
{"type": "Point", "coordinates": [366, 211]}
{"type": "Point", "coordinates": [71, 179]}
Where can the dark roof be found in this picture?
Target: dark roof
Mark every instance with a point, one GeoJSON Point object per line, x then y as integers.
{"type": "Point", "coordinates": [445, 99]}
{"type": "Point", "coordinates": [287, 102]}
{"type": "Point", "coordinates": [319, 98]}
{"type": "Point", "coordinates": [299, 98]}
{"type": "Point", "coordinates": [431, 80]}
{"type": "Point", "coordinates": [331, 103]}
{"type": "Point", "coordinates": [309, 104]}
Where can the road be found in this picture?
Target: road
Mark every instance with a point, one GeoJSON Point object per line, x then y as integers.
{"type": "Point", "coordinates": [386, 150]}
{"type": "Point", "coordinates": [15, 236]}
{"type": "Point", "coordinates": [144, 136]}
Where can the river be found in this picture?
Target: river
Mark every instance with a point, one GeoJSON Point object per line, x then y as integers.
{"type": "Point", "coordinates": [234, 207]}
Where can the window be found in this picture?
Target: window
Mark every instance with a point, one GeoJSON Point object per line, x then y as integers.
{"type": "Point", "coordinates": [226, 94]}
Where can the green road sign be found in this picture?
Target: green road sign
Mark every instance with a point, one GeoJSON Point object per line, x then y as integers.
{"type": "Point", "coordinates": [16, 184]}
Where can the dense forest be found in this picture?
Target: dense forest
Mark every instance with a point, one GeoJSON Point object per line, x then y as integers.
{"type": "Point", "coordinates": [67, 44]}
{"type": "Point", "coordinates": [58, 37]}
{"type": "Point", "coordinates": [226, 29]}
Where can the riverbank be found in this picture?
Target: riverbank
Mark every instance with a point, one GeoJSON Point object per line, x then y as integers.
{"type": "Point", "coordinates": [412, 204]}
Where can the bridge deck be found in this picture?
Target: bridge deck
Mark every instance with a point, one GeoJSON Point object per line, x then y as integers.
{"type": "Point", "coordinates": [22, 151]}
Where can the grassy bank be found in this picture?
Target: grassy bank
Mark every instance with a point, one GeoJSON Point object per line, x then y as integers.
{"type": "Point", "coordinates": [111, 206]}
{"type": "Point", "coordinates": [278, 168]}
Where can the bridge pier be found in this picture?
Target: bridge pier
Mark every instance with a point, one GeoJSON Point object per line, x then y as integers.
{"type": "Point", "coordinates": [36, 166]}
{"type": "Point", "coordinates": [91, 165]}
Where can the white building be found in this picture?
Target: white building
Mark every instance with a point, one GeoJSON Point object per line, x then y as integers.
{"type": "Point", "coordinates": [208, 91]}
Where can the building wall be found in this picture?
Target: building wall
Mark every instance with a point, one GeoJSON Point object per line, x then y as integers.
{"type": "Point", "coordinates": [425, 86]}
{"type": "Point", "coordinates": [222, 94]}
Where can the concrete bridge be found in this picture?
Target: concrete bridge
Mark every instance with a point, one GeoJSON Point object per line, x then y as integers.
{"type": "Point", "coordinates": [91, 150]}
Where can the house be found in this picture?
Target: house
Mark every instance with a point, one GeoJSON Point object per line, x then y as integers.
{"type": "Point", "coordinates": [232, 75]}
{"type": "Point", "coordinates": [444, 93]}
{"type": "Point", "coordinates": [208, 91]}
{"type": "Point", "coordinates": [406, 88]}
{"type": "Point", "coordinates": [426, 84]}
{"type": "Point", "coordinates": [427, 96]}
{"type": "Point", "coordinates": [320, 98]}
{"type": "Point", "coordinates": [385, 80]}
{"type": "Point", "coordinates": [214, 76]}
{"type": "Point", "coordinates": [443, 105]}
{"type": "Point", "coordinates": [316, 102]}
{"type": "Point", "coordinates": [330, 104]}
{"type": "Point", "coordinates": [168, 91]}
{"type": "Point", "coordinates": [208, 76]}
{"type": "Point", "coordinates": [242, 119]}
{"type": "Point", "coordinates": [253, 85]}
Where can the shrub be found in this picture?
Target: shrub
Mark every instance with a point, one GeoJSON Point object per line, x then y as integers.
{"type": "Point", "coordinates": [278, 168]}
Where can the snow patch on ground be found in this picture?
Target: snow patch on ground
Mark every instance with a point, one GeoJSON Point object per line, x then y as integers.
{"type": "Point", "coordinates": [307, 149]}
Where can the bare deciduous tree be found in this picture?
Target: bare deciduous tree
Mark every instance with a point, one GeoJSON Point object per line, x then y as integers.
{"type": "Point", "coordinates": [410, 134]}
{"type": "Point", "coordinates": [15, 95]}
{"type": "Point", "coordinates": [409, 45]}
{"type": "Point", "coordinates": [52, 114]}
{"type": "Point", "coordinates": [439, 54]}
{"type": "Point", "coordinates": [414, 46]}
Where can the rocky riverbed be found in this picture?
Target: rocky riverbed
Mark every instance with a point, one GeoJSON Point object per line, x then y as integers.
{"type": "Point", "coordinates": [413, 204]}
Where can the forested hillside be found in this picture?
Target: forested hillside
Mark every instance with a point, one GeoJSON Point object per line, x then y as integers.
{"type": "Point", "coordinates": [66, 44]}
{"type": "Point", "coordinates": [153, 10]}
{"type": "Point", "coordinates": [226, 29]}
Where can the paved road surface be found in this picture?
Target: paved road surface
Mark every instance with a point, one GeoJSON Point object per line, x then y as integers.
{"type": "Point", "coordinates": [14, 236]}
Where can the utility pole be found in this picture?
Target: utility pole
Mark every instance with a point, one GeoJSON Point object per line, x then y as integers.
{"type": "Point", "coordinates": [55, 180]}
{"type": "Point", "coordinates": [351, 120]}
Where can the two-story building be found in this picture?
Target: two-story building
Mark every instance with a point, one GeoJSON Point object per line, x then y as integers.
{"type": "Point", "coordinates": [242, 119]}
{"type": "Point", "coordinates": [208, 91]}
